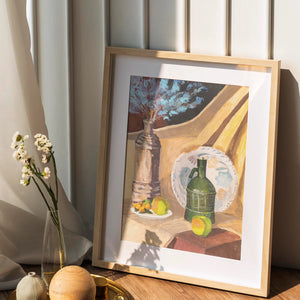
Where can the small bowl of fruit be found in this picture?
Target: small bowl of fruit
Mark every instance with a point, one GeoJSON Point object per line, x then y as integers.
{"type": "Point", "coordinates": [158, 208]}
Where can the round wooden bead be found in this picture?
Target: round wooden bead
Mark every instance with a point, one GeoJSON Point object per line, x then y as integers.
{"type": "Point", "coordinates": [72, 283]}
{"type": "Point", "coordinates": [30, 287]}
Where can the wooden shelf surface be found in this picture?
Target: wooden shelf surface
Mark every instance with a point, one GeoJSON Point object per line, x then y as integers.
{"type": "Point", "coordinates": [285, 284]}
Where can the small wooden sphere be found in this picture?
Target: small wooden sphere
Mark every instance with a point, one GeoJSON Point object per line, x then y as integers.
{"type": "Point", "coordinates": [72, 283]}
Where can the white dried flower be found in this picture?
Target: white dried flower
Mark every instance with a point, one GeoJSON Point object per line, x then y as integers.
{"type": "Point", "coordinates": [42, 143]}
{"type": "Point", "coordinates": [37, 135]}
{"type": "Point", "coordinates": [23, 155]}
{"type": "Point", "coordinates": [15, 155]}
{"type": "Point", "coordinates": [24, 182]}
{"type": "Point", "coordinates": [26, 172]}
{"type": "Point", "coordinates": [25, 176]}
{"type": "Point", "coordinates": [28, 160]}
{"type": "Point", "coordinates": [13, 145]}
{"type": "Point", "coordinates": [16, 137]}
{"type": "Point", "coordinates": [20, 154]}
{"type": "Point", "coordinates": [29, 168]}
{"type": "Point", "coordinates": [44, 158]}
{"type": "Point", "coordinates": [46, 173]}
{"type": "Point", "coordinates": [45, 150]}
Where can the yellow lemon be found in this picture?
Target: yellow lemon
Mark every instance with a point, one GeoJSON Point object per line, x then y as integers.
{"type": "Point", "coordinates": [160, 205]}
{"type": "Point", "coordinates": [201, 225]}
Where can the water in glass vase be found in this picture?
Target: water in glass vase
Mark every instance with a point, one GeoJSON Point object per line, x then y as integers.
{"type": "Point", "coordinates": [54, 250]}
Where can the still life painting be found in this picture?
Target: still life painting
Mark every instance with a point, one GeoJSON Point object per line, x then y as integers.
{"type": "Point", "coordinates": [185, 165]}
{"type": "Point", "coordinates": [186, 174]}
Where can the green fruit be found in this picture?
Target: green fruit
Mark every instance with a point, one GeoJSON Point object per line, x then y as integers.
{"type": "Point", "coordinates": [201, 225]}
{"type": "Point", "coordinates": [160, 205]}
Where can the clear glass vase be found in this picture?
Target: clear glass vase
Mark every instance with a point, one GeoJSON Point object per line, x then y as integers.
{"type": "Point", "coordinates": [54, 249]}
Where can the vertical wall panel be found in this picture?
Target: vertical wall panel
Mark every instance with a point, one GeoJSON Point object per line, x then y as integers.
{"type": "Point", "coordinates": [167, 25]}
{"type": "Point", "coordinates": [31, 19]}
{"type": "Point", "coordinates": [53, 77]}
{"type": "Point", "coordinates": [250, 28]}
{"type": "Point", "coordinates": [128, 23]}
{"type": "Point", "coordinates": [286, 242]}
{"type": "Point", "coordinates": [208, 26]}
{"type": "Point", "coordinates": [89, 39]}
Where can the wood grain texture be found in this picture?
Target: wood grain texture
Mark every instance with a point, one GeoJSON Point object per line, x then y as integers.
{"type": "Point", "coordinates": [72, 282]}
{"type": "Point", "coordinates": [102, 162]}
{"type": "Point", "coordinates": [271, 168]}
{"type": "Point", "coordinates": [285, 285]}
{"type": "Point", "coordinates": [251, 63]}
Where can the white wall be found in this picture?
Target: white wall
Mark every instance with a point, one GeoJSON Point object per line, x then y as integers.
{"type": "Point", "coordinates": [286, 250]}
{"type": "Point", "coordinates": [88, 57]}
{"type": "Point", "coordinates": [248, 28]}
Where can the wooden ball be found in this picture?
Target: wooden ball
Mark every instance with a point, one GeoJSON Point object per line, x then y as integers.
{"type": "Point", "coordinates": [72, 283]}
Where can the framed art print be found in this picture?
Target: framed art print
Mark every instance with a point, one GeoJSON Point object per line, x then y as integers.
{"type": "Point", "coordinates": [186, 168]}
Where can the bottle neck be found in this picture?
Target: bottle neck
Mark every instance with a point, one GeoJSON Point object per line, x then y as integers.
{"type": "Point", "coordinates": [202, 168]}
{"type": "Point", "coordinates": [148, 127]}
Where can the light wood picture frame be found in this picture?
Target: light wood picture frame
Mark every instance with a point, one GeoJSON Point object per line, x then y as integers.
{"type": "Point", "coordinates": [186, 168]}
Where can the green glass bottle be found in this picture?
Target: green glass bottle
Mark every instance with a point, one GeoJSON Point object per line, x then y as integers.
{"type": "Point", "coordinates": [200, 194]}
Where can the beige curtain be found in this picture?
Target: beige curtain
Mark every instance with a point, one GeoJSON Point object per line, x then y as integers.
{"type": "Point", "coordinates": [22, 211]}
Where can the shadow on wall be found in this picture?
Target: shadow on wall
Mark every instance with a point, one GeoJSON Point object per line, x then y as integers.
{"type": "Point", "coordinates": [286, 242]}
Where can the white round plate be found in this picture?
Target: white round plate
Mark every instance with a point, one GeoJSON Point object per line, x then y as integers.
{"type": "Point", "coordinates": [220, 171]}
{"type": "Point", "coordinates": [151, 216]}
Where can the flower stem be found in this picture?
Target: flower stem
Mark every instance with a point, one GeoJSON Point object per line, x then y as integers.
{"type": "Point", "coordinates": [44, 198]}
{"type": "Point", "coordinates": [55, 173]}
{"type": "Point", "coordinates": [49, 190]}
{"type": "Point", "coordinates": [54, 214]}
{"type": "Point", "coordinates": [62, 255]}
